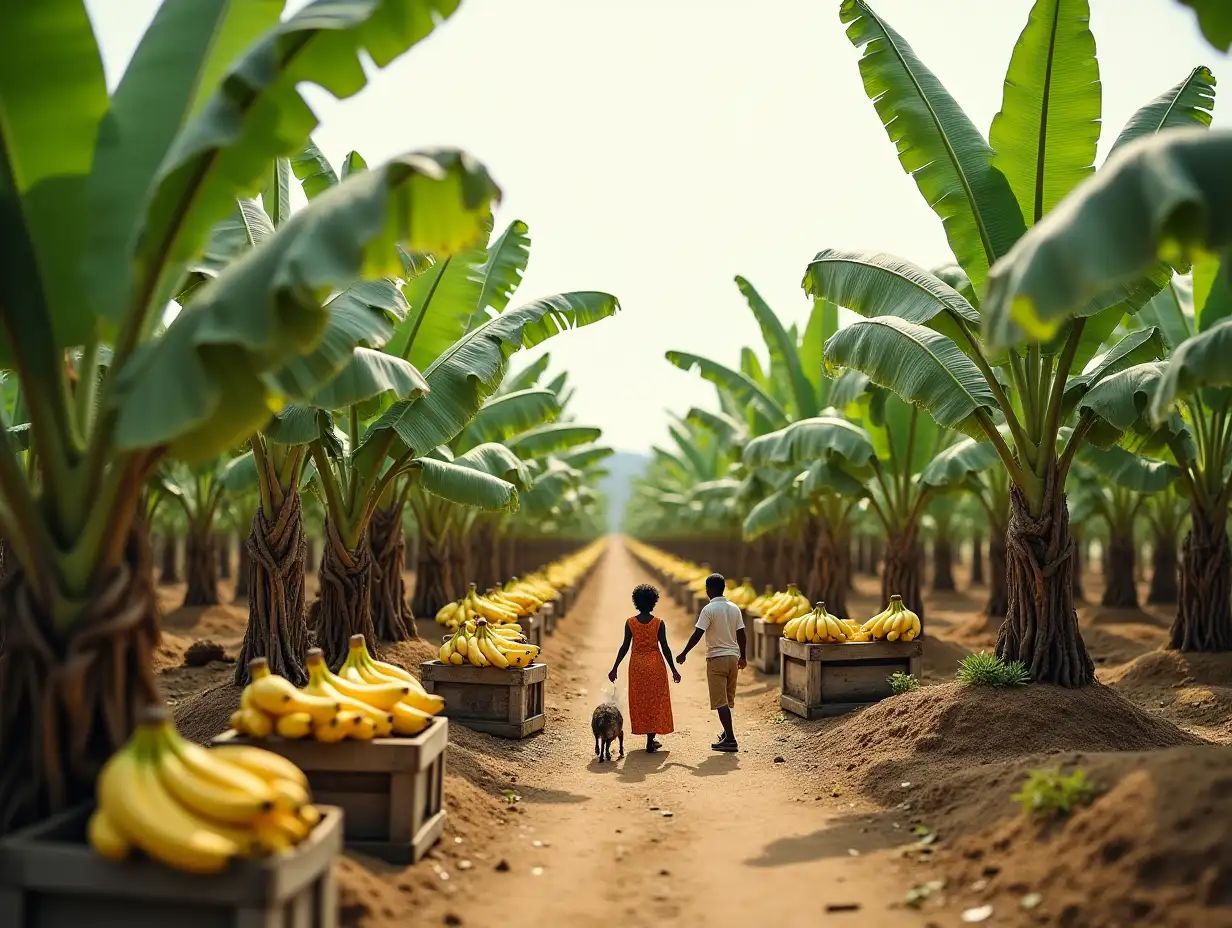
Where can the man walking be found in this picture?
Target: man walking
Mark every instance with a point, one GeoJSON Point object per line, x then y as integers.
{"type": "Point", "coordinates": [723, 626]}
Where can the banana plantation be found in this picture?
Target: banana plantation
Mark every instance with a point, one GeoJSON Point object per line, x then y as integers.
{"type": "Point", "coordinates": [304, 529]}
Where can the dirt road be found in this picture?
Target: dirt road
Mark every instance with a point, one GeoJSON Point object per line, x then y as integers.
{"type": "Point", "coordinates": [687, 835]}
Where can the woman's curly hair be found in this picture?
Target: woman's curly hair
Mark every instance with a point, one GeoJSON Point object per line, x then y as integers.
{"type": "Point", "coordinates": [644, 597]}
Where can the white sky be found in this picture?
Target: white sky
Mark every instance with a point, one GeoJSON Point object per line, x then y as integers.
{"type": "Point", "coordinates": [657, 148]}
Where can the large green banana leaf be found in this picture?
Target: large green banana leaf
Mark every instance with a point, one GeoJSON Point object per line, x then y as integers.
{"type": "Point", "coordinates": [921, 366]}
{"type": "Point", "coordinates": [553, 437]}
{"type": "Point", "coordinates": [466, 486]}
{"type": "Point", "coordinates": [1215, 19]}
{"type": "Point", "coordinates": [1137, 347]}
{"type": "Point", "coordinates": [1122, 402]}
{"type": "Point", "coordinates": [502, 269]}
{"type": "Point", "coordinates": [957, 464]}
{"type": "Point", "coordinates": [937, 145]}
{"type": "Point", "coordinates": [1164, 197]}
{"type": "Point", "coordinates": [820, 438]}
{"type": "Point", "coordinates": [462, 378]}
{"type": "Point", "coordinates": [1047, 131]}
{"type": "Point", "coordinates": [584, 458]}
{"type": "Point", "coordinates": [201, 388]}
{"type": "Point", "coordinates": [499, 461]}
{"type": "Point", "coordinates": [527, 377]}
{"type": "Point", "coordinates": [313, 170]}
{"type": "Point", "coordinates": [505, 415]}
{"type": "Point", "coordinates": [1202, 363]}
{"type": "Point", "coordinates": [1122, 468]}
{"type": "Point", "coordinates": [774, 512]}
{"type": "Point", "coordinates": [783, 353]}
{"type": "Point", "coordinates": [822, 323]}
{"type": "Point", "coordinates": [1189, 103]}
{"type": "Point", "coordinates": [743, 388]}
{"type": "Point", "coordinates": [368, 377]}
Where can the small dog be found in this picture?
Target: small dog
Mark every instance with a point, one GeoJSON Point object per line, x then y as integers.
{"type": "Point", "coordinates": [608, 725]}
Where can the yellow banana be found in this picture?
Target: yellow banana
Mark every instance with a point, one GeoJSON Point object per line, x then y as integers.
{"type": "Point", "coordinates": [789, 630]}
{"type": "Point", "coordinates": [382, 696]}
{"type": "Point", "coordinates": [207, 799]}
{"type": "Point", "coordinates": [294, 726]}
{"type": "Point", "coordinates": [446, 651]}
{"type": "Point", "coordinates": [278, 696]}
{"type": "Point", "coordinates": [105, 838]}
{"type": "Point", "coordinates": [363, 728]}
{"type": "Point", "coordinates": [267, 765]}
{"type": "Point", "coordinates": [446, 613]}
{"type": "Point", "coordinates": [256, 723]}
{"type": "Point", "coordinates": [290, 796]}
{"type": "Point", "coordinates": [409, 721]}
{"type": "Point", "coordinates": [490, 651]}
{"type": "Point", "coordinates": [319, 685]}
{"type": "Point", "coordinates": [310, 815]}
{"type": "Point", "coordinates": [145, 814]}
{"type": "Point", "coordinates": [335, 730]}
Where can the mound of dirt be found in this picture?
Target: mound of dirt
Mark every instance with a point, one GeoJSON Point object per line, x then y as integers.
{"type": "Point", "coordinates": [1094, 615]}
{"type": "Point", "coordinates": [931, 733]}
{"type": "Point", "coordinates": [203, 653]}
{"type": "Point", "coordinates": [409, 654]}
{"type": "Point", "coordinates": [1110, 645]}
{"type": "Point", "coordinates": [170, 650]}
{"type": "Point", "coordinates": [1194, 691]}
{"type": "Point", "coordinates": [1151, 850]}
{"type": "Point", "coordinates": [208, 714]}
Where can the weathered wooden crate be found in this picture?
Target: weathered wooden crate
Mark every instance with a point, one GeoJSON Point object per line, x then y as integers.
{"type": "Point", "coordinates": [505, 702]}
{"type": "Point", "coordinates": [765, 645]}
{"type": "Point", "coordinates": [50, 878]}
{"type": "Point", "coordinates": [389, 789]}
{"type": "Point", "coordinates": [699, 600]}
{"type": "Point", "coordinates": [568, 595]}
{"type": "Point", "coordinates": [818, 680]}
{"type": "Point", "coordinates": [535, 627]}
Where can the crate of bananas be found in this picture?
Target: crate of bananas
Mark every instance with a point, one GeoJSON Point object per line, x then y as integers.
{"type": "Point", "coordinates": [819, 627]}
{"type": "Point", "coordinates": [366, 699]}
{"type": "Point", "coordinates": [499, 606]}
{"type": "Point", "coordinates": [195, 809]}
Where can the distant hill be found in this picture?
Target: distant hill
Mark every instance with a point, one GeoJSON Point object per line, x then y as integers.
{"type": "Point", "coordinates": [623, 468]}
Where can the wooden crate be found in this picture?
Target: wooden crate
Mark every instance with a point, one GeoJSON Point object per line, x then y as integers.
{"type": "Point", "coordinates": [765, 645]}
{"type": "Point", "coordinates": [507, 702]}
{"type": "Point", "coordinates": [389, 789]}
{"type": "Point", "coordinates": [534, 627]}
{"type": "Point", "coordinates": [699, 600]}
{"type": "Point", "coordinates": [50, 878]}
{"type": "Point", "coordinates": [818, 680]}
{"type": "Point", "coordinates": [568, 596]}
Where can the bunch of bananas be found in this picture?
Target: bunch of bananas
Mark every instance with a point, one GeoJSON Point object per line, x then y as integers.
{"type": "Point", "coordinates": [495, 606]}
{"type": "Point", "coordinates": [894, 623]}
{"type": "Point", "coordinates": [195, 809]}
{"type": "Point", "coordinates": [743, 595]}
{"type": "Point", "coordinates": [781, 608]}
{"type": "Point", "coordinates": [758, 604]}
{"type": "Point", "coordinates": [819, 627]}
{"type": "Point", "coordinates": [669, 565]}
{"type": "Point", "coordinates": [485, 645]}
{"type": "Point", "coordinates": [698, 583]}
{"type": "Point", "coordinates": [366, 699]}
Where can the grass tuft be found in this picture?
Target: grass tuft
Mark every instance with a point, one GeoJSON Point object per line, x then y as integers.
{"type": "Point", "coordinates": [1050, 794]}
{"type": "Point", "coordinates": [902, 682]}
{"type": "Point", "coordinates": [984, 669]}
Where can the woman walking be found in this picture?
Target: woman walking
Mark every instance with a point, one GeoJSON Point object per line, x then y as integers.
{"type": "Point", "coordinates": [650, 703]}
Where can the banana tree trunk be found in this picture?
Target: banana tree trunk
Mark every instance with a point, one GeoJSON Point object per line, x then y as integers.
{"type": "Point", "coordinates": [223, 543]}
{"type": "Point", "coordinates": [311, 557]}
{"type": "Point", "coordinates": [876, 554]}
{"type": "Point", "coordinates": [344, 604]}
{"type": "Point", "coordinates": [1163, 589]}
{"type": "Point", "coordinates": [943, 564]}
{"type": "Point", "coordinates": [1041, 626]}
{"type": "Point", "coordinates": [277, 630]}
{"type": "Point", "coordinates": [200, 567]}
{"type": "Point", "coordinates": [69, 696]}
{"type": "Point", "coordinates": [243, 566]}
{"type": "Point", "coordinates": [830, 569]}
{"type": "Point", "coordinates": [977, 560]}
{"type": "Point", "coordinates": [1120, 590]}
{"type": "Point", "coordinates": [170, 561]}
{"type": "Point", "coordinates": [998, 604]}
{"type": "Point", "coordinates": [433, 578]}
{"type": "Point", "coordinates": [1204, 610]}
{"type": "Point", "coordinates": [392, 618]}
{"type": "Point", "coordinates": [1081, 557]}
{"type": "Point", "coordinates": [901, 576]}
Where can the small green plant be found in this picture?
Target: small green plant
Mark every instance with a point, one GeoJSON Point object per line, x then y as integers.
{"type": "Point", "coordinates": [511, 797]}
{"type": "Point", "coordinates": [1052, 794]}
{"type": "Point", "coordinates": [902, 682]}
{"type": "Point", "coordinates": [984, 669]}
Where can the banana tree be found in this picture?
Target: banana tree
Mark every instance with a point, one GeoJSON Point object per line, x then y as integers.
{"type": "Point", "coordinates": [1119, 484]}
{"type": "Point", "coordinates": [199, 492]}
{"type": "Point", "coordinates": [1167, 197]}
{"type": "Point", "coordinates": [942, 514]}
{"type": "Point", "coordinates": [109, 199]}
{"type": "Point", "coordinates": [1166, 513]}
{"type": "Point", "coordinates": [970, 362]}
{"type": "Point", "coordinates": [975, 467]}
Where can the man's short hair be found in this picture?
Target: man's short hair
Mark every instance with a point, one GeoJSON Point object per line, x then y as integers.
{"type": "Point", "coordinates": [715, 585]}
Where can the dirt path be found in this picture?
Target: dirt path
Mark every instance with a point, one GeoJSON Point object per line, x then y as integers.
{"type": "Point", "coordinates": [686, 834]}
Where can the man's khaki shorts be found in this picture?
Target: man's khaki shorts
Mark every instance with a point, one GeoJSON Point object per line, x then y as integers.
{"type": "Point", "coordinates": [721, 674]}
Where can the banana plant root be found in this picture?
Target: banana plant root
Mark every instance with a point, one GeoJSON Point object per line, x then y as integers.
{"type": "Point", "coordinates": [276, 629]}
{"type": "Point", "coordinates": [1041, 625]}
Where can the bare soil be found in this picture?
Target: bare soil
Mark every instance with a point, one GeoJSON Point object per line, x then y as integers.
{"type": "Point", "coordinates": [832, 822]}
